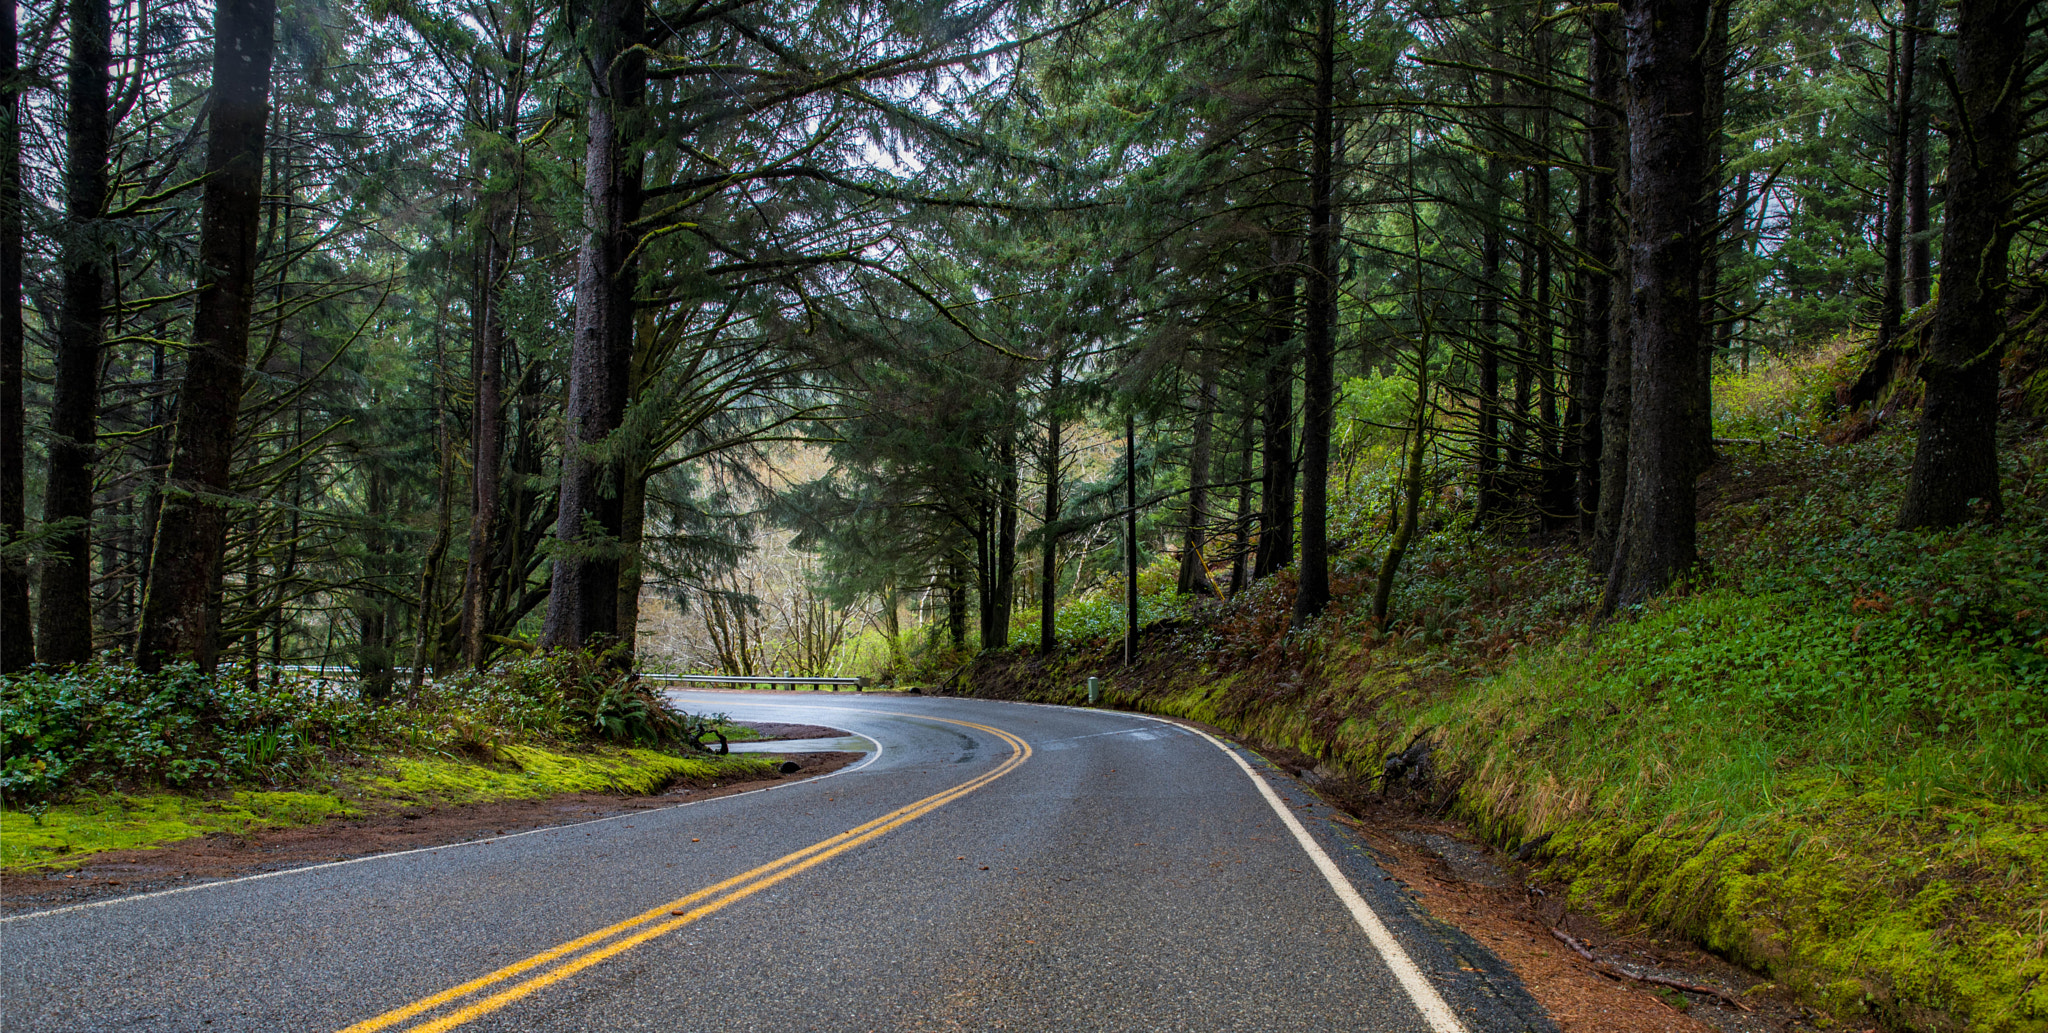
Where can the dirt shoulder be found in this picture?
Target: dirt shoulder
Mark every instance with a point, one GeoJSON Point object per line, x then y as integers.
{"type": "Point", "coordinates": [381, 828]}
{"type": "Point", "coordinates": [1506, 906]}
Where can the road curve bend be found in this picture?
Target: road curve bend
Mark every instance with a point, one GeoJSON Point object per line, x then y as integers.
{"type": "Point", "coordinates": [991, 866]}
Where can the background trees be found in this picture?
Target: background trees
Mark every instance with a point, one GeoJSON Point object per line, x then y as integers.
{"type": "Point", "coordinates": [471, 325]}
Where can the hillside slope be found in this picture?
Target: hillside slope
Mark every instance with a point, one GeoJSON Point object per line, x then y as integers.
{"type": "Point", "coordinates": [1823, 759]}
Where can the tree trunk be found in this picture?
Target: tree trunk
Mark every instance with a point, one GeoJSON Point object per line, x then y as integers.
{"type": "Point", "coordinates": [1886, 352]}
{"type": "Point", "coordinates": [892, 625]}
{"type": "Point", "coordinates": [17, 647]}
{"type": "Point", "coordinates": [373, 655]}
{"type": "Point", "coordinates": [1955, 462]}
{"type": "Point", "coordinates": [1603, 121]}
{"type": "Point", "coordinates": [487, 424]}
{"type": "Point", "coordinates": [1714, 108]}
{"type": "Point", "coordinates": [1319, 337]}
{"type": "Point", "coordinates": [632, 533]}
{"type": "Point", "coordinates": [1006, 542]}
{"type": "Point", "coordinates": [1668, 179]}
{"type": "Point", "coordinates": [177, 620]}
{"type": "Point", "coordinates": [985, 571]}
{"type": "Point", "coordinates": [1194, 568]}
{"type": "Point", "coordinates": [1919, 248]}
{"type": "Point", "coordinates": [1411, 484]}
{"type": "Point", "coordinates": [1276, 455]}
{"type": "Point", "coordinates": [634, 463]}
{"type": "Point", "coordinates": [1130, 539]}
{"type": "Point", "coordinates": [956, 604]}
{"type": "Point", "coordinates": [64, 611]}
{"type": "Point", "coordinates": [1493, 495]}
{"type": "Point", "coordinates": [427, 635]}
{"type": "Point", "coordinates": [1048, 552]}
{"type": "Point", "coordinates": [583, 602]}
{"type": "Point", "coordinates": [1241, 546]}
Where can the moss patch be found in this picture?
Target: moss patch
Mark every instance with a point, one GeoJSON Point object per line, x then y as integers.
{"type": "Point", "coordinates": [70, 833]}
{"type": "Point", "coordinates": [1880, 871]}
{"type": "Point", "coordinates": [523, 772]}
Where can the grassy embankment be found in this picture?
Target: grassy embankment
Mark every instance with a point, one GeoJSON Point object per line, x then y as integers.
{"type": "Point", "coordinates": [105, 758]}
{"type": "Point", "coordinates": [1825, 759]}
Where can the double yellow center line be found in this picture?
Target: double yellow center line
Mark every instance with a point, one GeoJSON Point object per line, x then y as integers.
{"type": "Point", "coordinates": [555, 964]}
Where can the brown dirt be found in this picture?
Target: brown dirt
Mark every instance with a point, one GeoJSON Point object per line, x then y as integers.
{"type": "Point", "coordinates": [776, 731]}
{"type": "Point", "coordinates": [1515, 922]}
{"type": "Point", "coordinates": [223, 855]}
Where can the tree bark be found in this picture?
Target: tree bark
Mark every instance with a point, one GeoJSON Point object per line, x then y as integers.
{"type": "Point", "coordinates": [427, 634]}
{"type": "Point", "coordinates": [179, 618]}
{"type": "Point", "coordinates": [64, 611]}
{"type": "Point", "coordinates": [373, 657]}
{"type": "Point", "coordinates": [487, 421]}
{"type": "Point", "coordinates": [1319, 336]}
{"type": "Point", "coordinates": [1048, 551]}
{"type": "Point", "coordinates": [1557, 505]}
{"type": "Point", "coordinates": [1919, 246]}
{"type": "Point", "coordinates": [1276, 453]}
{"type": "Point", "coordinates": [1714, 112]}
{"type": "Point", "coordinates": [17, 646]}
{"type": "Point", "coordinates": [1493, 494]}
{"type": "Point", "coordinates": [632, 533]}
{"type": "Point", "coordinates": [1411, 494]}
{"type": "Point", "coordinates": [1603, 137]}
{"type": "Point", "coordinates": [1005, 543]}
{"type": "Point", "coordinates": [1130, 539]}
{"type": "Point", "coordinates": [1886, 353]}
{"type": "Point", "coordinates": [1194, 570]}
{"type": "Point", "coordinates": [1955, 462]}
{"type": "Point", "coordinates": [1669, 169]}
{"type": "Point", "coordinates": [956, 604]}
{"type": "Point", "coordinates": [1241, 546]}
{"type": "Point", "coordinates": [634, 461]}
{"type": "Point", "coordinates": [583, 602]}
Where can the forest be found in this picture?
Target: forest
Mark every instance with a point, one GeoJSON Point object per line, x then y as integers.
{"type": "Point", "coordinates": [982, 345]}
{"type": "Point", "coordinates": [393, 336]}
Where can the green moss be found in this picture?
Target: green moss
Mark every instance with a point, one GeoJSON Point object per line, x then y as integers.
{"type": "Point", "coordinates": [524, 772]}
{"type": "Point", "coordinates": [1865, 903]}
{"type": "Point", "coordinates": [70, 833]}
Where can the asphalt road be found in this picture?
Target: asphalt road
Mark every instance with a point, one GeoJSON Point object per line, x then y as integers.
{"type": "Point", "coordinates": [992, 866]}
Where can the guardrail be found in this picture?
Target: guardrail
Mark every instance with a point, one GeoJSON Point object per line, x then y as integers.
{"type": "Point", "coordinates": [755, 679]}
{"type": "Point", "coordinates": [856, 684]}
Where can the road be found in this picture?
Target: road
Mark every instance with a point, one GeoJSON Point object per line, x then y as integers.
{"type": "Point", "coordinates": [991, 866]}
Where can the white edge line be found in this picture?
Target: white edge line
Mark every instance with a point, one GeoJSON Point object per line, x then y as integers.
{"type": "Point", "coordinates": [1433, 1009]}
{"type": "Point", "coordinates": [1424, 996]}
{"type": "Point", "coordinates": [89, 905]}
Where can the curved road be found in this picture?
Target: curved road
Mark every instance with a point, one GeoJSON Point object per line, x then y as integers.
{"type": "Point", "coordinates": [992, 866]}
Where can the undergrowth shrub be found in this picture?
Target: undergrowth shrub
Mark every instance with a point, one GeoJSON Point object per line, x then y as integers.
{"type": "Point", "coordinates": [106, 722]}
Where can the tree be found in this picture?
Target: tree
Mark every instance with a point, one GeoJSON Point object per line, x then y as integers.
{"type": "Point", "coordinates": [584, 598]}
{"type": "Point", "coordinates": [1955, 461]}
{"type": "Point", "coordinates": [180, 615]}
{"type": "Point", "coordinates": [17, 651]}
{"type": "Point", "coordinates": [64, 613]}
{"type": "Point", "coordinates": [1669, 165]}
{"type": "Point", "coordinates": [1312, 593]}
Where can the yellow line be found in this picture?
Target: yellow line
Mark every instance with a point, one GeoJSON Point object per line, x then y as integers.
{"type": "Point", "coordinates": [743, 885]}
